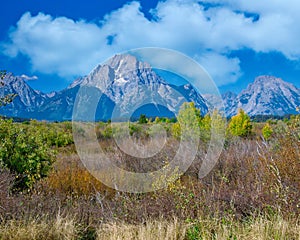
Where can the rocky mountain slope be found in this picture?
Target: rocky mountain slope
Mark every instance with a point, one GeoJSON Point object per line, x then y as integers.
{"type": "Point", "coordinates": [123, 82]}
{"type": "Point", "coordinates": [26, 101]}
{"type": "Point", "coordinates": [268, 95]}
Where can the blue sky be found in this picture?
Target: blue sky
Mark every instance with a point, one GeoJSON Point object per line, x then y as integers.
{"type": "Point", "coordinates": [53, 42]}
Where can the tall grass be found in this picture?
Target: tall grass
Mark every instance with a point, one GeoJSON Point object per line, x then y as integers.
{"type": "Point", "coordinates": [36, 229]}
{"type": "Point", "coordinates": [261, 228]}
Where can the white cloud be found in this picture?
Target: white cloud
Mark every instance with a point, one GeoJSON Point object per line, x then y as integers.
{"type": "Point", "coordinates": [28, 78]}
{"type": "Point", "coordinates": [277, 28]}
{"type": "Point", "coordinates": [66, 47]}
{"type": "Point", "coordinates": [289, 7]}
{"type": "Point", "coordinates": [56, 45]}
{"type": "Point", "coordinates": [223, 69]}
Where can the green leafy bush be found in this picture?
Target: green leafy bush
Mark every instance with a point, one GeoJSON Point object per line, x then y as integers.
{"type": "Point", "coordinates": [143, 119]}
{"type": "Point", "coordinates": [25, 151]}
{"type": "Point", "coordinates": [165, 120]}
{"type": "Point", "coordinates": [240, 124]}
{"type": "Point", "coordinates": [205, 127]}
{"type": "Point", "coordinates": [134, 129]}
{"type": "Point", "coordinates": [176, 130]}
{"type": "Point", "coordinates": [188, 121]}
{"type": "Point", "coordinates": [267, 131]}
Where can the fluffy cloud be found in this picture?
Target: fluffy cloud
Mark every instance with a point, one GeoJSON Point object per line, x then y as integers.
{"type": "Point", "coordinates": [274, 26]}
{"type": "Point", "coordinates": [223, 69]}
{"type": "Point", "coordinates": [66, 47]}
{"type": "Point", "coordinates": [28, 78]}
{"type": "Point", "coordinates": [57, 45]}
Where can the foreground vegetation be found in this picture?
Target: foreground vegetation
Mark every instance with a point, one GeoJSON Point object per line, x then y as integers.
{"type": "Point", "coordinates": [66, 228]}
{"type": "Point", "coordinates": [252, 193]}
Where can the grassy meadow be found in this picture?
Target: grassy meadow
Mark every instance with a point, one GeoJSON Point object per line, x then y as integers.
{"type": "Point", "coordinates": [253, 192]}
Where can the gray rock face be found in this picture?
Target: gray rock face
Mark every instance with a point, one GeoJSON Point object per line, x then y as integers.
{"type": "Point", "coordinates": [129, 82]}
{"type": "Point", "coordinates": [213, 101]}
{"type": "Point", "coordinates": [267, 96]}
{"type": "Point", "coordinates": [123, 81]}
{"type": "Point", "coordinates": [26, 101]}
{"type": "Point", "coordinates": [228, 100]}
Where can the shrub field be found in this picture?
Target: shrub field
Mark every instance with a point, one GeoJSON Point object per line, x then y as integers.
{"type": "Point", "coordinates": [253, 192]}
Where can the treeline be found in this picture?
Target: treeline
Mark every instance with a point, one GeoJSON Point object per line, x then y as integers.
{"type": "Point", "coordinates": [189, 118]}
{"type": "Point", "coordinates": [264, 118]}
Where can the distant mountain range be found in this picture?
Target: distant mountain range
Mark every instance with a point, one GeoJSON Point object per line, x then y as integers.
{"type": "Point", "coordinates": [267, 95]}
{"type": "Point", "coordinates": [124, 80]}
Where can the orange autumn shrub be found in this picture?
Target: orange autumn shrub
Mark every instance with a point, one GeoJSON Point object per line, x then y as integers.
{"type": "Point", "coordinates": [71, 178]}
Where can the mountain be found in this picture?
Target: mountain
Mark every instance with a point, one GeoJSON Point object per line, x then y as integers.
{"type": "Point", "coordinates": [27, 100]}
{"type": "Point", "coordinates": [268, 95]}
{"type": "Point", "coordinates": [123, 82]}
{"type": "Point", "coordinates": [214, 102]}
{"type": "Point", "coordinates": [228, 100]}
{"type": "Point", "coordinates": [129, 82]}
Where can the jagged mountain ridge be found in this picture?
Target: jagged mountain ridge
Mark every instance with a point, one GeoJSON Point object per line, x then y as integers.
{"type": "Point", "coordinates": [214, 102]}
{"type": "Point", "coordinates": [127, 81]}
{"type": "Point", "coordinates": [122, 81]}
{"type": "Point", "coordinates": [27, 99]}
{"type": "Point", "coordinates": [267, 95]}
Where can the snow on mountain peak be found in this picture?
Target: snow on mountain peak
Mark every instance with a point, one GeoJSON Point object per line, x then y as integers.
{"type": "Point", "coordinates": [268, 95]}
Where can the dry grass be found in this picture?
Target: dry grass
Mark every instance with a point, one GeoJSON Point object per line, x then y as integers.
{"type": "Point", "coordinates": [35, 229]}
{"type": "Point", "coordinates": [150, 230]}
{"type": "Point", "coordinates": [261, 228]}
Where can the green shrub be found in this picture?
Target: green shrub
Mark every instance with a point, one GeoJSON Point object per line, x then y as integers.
{"type": "Point", "coordinates": [56, 134]}
{"type": "Point", "coordinates": [134, 129]}
{"type": "Point", "coordinates": [176, 130]}
{"type": "Point", "coordinates": [189, 120]}
{"type": "Point", "coordinates": [240, 124]}
{"type": "Point", "coordinates": [107, 132]}
{"type": "Point", "coordinates": [205, 127]}
{"type": "Point", "coordinates": [25, 151]}
{"type": "Point", "coordinates": [143, 119]}
{"type": "Point", "coordinates": [267, 131]}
